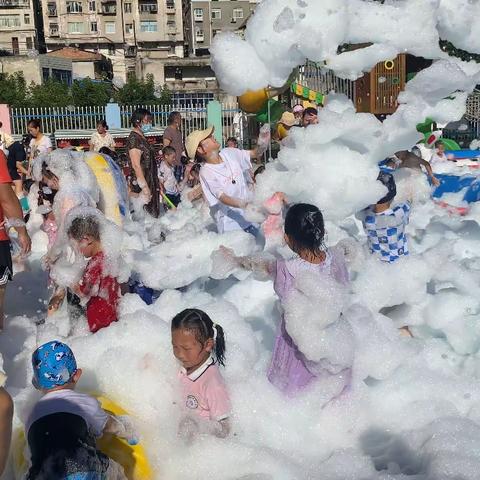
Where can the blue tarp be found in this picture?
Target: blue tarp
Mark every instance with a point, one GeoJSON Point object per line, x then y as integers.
{"type": "Point", "coordinates": [463, 154]}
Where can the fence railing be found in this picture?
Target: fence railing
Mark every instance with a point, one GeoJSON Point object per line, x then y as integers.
{"type": "Point", "coordinates": [56, 118]}
{"type": "Point", "coordinates": [194, 117]}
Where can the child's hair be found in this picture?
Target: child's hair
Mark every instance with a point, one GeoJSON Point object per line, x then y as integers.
{"type": "Point", "coordinates": [232, 139]}
{"type": "Point", "coordinates": [258, 171]}
{"type": "Point", "coordinates": [202, 326]}
{"type": "Point", "coordinates": [84, 226]}
{"type": "Point", "coordinates": [305, 228]}
{"type": "Point", "coordinates": [103, 124]}
{"type": "Point", "coordinates": [46, 172]}
{"type": "Point", "coordinates": [107, 151]}
{"type": "Point", "coordinates": [387, 179]}
{"type": "Point", "coordinates": [35, 123]}
{"type": "Point", "coordinates": [168, 150]}
{"type": "Point", "coordinates": [438, 143]}
{"type": "Point", "coordinates": [309, 111]}
{"type": "Point", "coordinates": [45, 193]}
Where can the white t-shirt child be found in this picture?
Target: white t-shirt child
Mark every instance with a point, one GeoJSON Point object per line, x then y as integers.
{"type": "Point", "coordinates": [229, 178]}
{"type": "Point", "coordinates": [166, 174]}
{"type": "Point", "coordinates": [40, 147]}
{"type": "Point", "coordinates": [70, 401]}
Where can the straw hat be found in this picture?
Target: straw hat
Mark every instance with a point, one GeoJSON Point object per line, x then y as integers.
{"type": "Point", "coordinates": [194, 139]}
{"type": "Point", "coordinates": [288, 119]}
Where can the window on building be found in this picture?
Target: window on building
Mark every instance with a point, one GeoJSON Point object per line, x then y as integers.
{"type": "Point", "coordinates": [150, 7]}
{"type": "Point", "coordinates": [63, 76]}
{"type": "Point", "coordinates": [111, 49]}
{"type": "Point", "coordinates": [171, 23]}
{"type": "Point", "coordinates": [92, 7]}
{"type": "Point", "coordinates": [53, 29]}
{"type": "Point", "coordinates": [127, 7]}
{"type": "Point", "coordinates": [148, 26]}
{"type": "Point", "coordinates": [131, 74]}
{"type": "Point", "coordinates": [9, 20]}
{"type": "Point", "coordinates": [109, 27]}
{"type": "Point", "coordinates": [74, 7]}
{"type": "Point", "coordinates": [198, 14]}
{"type": "Point", "coordinates": [93, 27]}
{"type": "Point", "coordinates": [52, 9]}
{"type": "Point", "coordinates": [29, 42]}
{"type": "Point", "coordinates": [129, 28]}
{"type": "Point", "coordinates": [216, 32]}
{"type": "Point", "coordinates": [75, 27]}
{"type": "Point", "coordinates": [170, 3]}
{"type": "Point", "coordinates": [15, 46]}
{"type": "Point", "coordinates": [45, 74]}
{"type": "Point", "coordinates": [216, 14]}
{"type": "Point", "coordinates": [199, 37]}
{"type": "Point", "coordinates": [26, 19]}
{"type": "Point", "coordinates": [237, 13]}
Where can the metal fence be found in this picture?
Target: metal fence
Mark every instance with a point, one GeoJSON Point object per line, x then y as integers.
{"type": "Point", "coordinates": [57, 118]}
{"type": "Point", "coordinates": [85, 118]}
{"type": "Point", "coordinates": [324, 81]}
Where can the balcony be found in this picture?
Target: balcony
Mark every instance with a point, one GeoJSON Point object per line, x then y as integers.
{"type": "Point", "coordinates": [150, 7]}
{"type": "Point", "coordinates": [52, 11]}
{"type": "Point", "coordinates": [14, 3]}
{"type": "Point", "coordinates": [130, 51]}
{"type": "Point", "coordinates": [170, 7]}
{"type": "Point", "coordinates": [54, 31]}
{"type": "Point", "coordinates": [109, 7]}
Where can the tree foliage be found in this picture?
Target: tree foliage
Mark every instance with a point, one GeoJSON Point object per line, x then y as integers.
{"type": "Point", "coordinates": [85, 92]}
{"type": "Point", "coordinates": [13, 89]}
{"type": "Point", "coordinates": [15, 92]}
{"type": "Point", "coordinates": [142, 92]}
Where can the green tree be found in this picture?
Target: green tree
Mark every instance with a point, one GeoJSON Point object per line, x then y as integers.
{"type": "Point", "coordinates": [51, 93]}
{"type": "Point", "coordinates": [13, 89]}
{"type": "Point", "coordinates": [142, 92]}
{"type": "Point", "coordinates": [85, 92]}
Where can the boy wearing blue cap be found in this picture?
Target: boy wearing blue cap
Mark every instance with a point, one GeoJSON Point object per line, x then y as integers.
{"type": "Point", "coordinates": [385, 226]}
{"type": "Point", "coordinates": [63, 426]}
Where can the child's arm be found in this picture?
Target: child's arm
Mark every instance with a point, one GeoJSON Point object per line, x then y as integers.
{"type": "Point", "coordinates": [122, 427]}
{"type": "Point", "coordinates": [260, 266]}
{"type": "Point", "coordinates": [190, 427]}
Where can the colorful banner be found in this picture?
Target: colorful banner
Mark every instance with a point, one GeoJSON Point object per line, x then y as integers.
{"type": "Point", "coordinates": [307, 93]}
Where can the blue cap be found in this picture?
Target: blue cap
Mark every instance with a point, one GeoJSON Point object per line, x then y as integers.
{"type": "Point", "coordinates": [53, 365]}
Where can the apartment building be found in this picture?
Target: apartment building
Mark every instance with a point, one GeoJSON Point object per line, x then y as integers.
{"type": "Point", "coordinates": [203, 19]}
{"type": "Point", "coordinates": [17, 27]}
{"type": "Point", "coordinates": [137, 36]}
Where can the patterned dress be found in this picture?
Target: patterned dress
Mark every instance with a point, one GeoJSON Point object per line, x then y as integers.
{"type": "Point", "coordinates": [149, 168]}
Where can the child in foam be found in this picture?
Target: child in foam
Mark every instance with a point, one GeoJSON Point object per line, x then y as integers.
{"type": "Point", "coordinates": [385, 226]}
{"type": "Point", "coordinates": [100, 288]}
{"type": "Point", "coordinates": [224, 177]}
{"type": "Point", "coordinates": [166, 174]}
{"type": "Point", "coordinates": [438, 155]}
{"type": "Point", "coordinates": [63, 426]}
{"type": "Point", "coordinates": [290, 371]}
{"type": "Point", "coordinates": [199, 345]}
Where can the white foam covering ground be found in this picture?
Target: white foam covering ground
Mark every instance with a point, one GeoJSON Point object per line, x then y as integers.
{"type": "Point", "coordinates": [413, 409]}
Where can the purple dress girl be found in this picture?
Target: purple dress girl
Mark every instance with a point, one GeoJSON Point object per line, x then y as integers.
{"type": "Point", "coordinates": [288, 370]}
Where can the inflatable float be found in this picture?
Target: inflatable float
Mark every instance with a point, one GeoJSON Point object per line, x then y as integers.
{"type": "Point", "coordinates": [113, 188]}
{"type": "Point", "coordinates": [132, 457]}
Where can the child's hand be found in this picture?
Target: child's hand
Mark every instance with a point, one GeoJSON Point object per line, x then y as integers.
{"type": "Point", "coordinates": [228, 253]}
{"type": "Point", "coordinates": [122, 426]}
{"type": "Point", "coordinates": [56, 301]}
{"type": "Point", "coordinates": [188, 429]}
{"type": "Point", "coordinates": [435, 181]}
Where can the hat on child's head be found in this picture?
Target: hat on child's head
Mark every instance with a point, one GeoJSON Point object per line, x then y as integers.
{"type": "Point", "coordinates": [387, 180]}
{"type": "Point", "coordinates": [53, 365]}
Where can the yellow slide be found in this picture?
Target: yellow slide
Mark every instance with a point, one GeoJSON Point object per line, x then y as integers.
{"type": "Point", "coordinates": [108, 189]}
{"type": "Point", "coordinates": [133, 458]}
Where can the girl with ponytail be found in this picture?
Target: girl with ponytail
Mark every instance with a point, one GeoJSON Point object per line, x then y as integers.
{"type": "Point", "coordinates": [289, 370]}
{"type": "Point", "coordinates": [199, 344]}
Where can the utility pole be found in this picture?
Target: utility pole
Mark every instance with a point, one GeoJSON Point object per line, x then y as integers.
{"type": "Point", "coordinates": [39, 26]}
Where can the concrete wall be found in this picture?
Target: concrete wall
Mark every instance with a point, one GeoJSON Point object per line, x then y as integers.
{"type": "Point", "coordinates": [83, 70]}
{"type": "Point", "coordinates": [32, 67]}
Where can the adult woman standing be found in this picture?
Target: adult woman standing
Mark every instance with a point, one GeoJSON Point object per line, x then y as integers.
{"type": "Point", "coordinates": [141, 157]}
{"type": "Point", "coordinates": [101, 138]}
{"type": "Point", "coordinates": [40, 143]}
